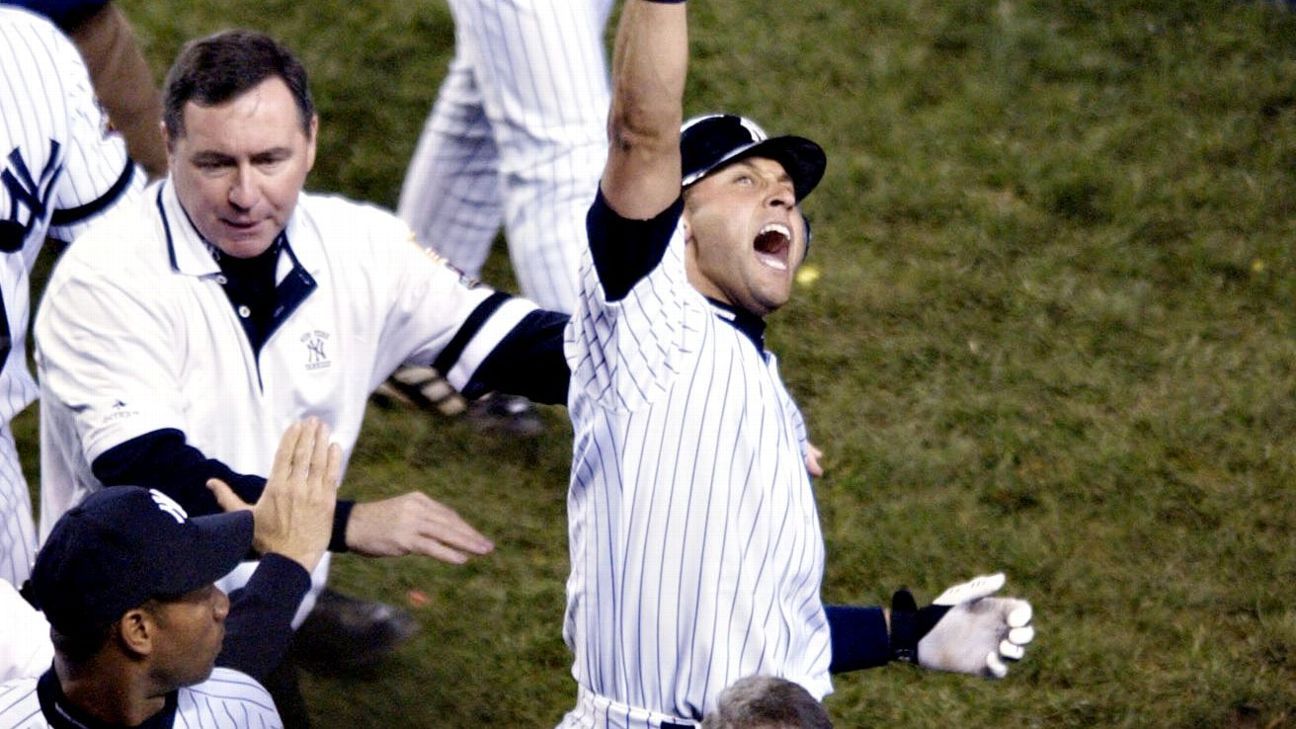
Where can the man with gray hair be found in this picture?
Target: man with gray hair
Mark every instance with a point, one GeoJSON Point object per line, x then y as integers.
{"type": "Point", "coordinates": [767, 702]}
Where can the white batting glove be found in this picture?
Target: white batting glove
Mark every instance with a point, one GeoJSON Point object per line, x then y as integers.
{"type": "Point", "coordinates": [964, 630]}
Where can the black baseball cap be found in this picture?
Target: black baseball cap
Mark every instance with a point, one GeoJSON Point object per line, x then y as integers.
{"type": "Point", "coordinates": [712, 141]}
{"type": "Point", "coordinates": [124, 545]}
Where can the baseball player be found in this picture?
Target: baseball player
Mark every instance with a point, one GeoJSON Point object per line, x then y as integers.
{"type": "Point", "coordinates": [59, 168]}
{"type": "Point", "coordinates": [516, 136]}
{"type": "Point", "coordinates": [181, 335]}
{"type": "Point", "coordinates": [695, 543]}
{"type": "Point", "coordinates": [126, 581]}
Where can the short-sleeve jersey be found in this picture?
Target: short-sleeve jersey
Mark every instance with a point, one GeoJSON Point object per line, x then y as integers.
{"type": "Point", "coordinates": [59, 167]}
{"type": "Point", "coordinates": [136, 334]}
{"type": "Point", "coordinates": [696, 549]}
{"type": "Point", "coordinates": [226, 700]}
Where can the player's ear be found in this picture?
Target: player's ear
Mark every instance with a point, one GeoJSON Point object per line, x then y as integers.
{"type": "Point", "coordinates": [310, 142]}
{"type": "Point", "coordinates": [136, 631]}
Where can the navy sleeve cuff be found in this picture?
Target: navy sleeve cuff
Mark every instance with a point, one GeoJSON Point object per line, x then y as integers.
{"type": "Point", "coordinates": [625, 250]}
{"type": "Point", "coordinates": [341, 516]}
{"type": "Point", "coordinates": [163, 460]}
{"type": "Point", "coordinates": [859, 637]}
{"type": "Point", "coordinates": [528, 361]}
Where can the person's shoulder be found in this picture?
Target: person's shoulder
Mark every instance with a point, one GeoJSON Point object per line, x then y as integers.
{"type": "Point", "coordinates": [230, 699]}
{"type": "Point", "coordinates": [38, 34]}
{"type": "Point", "coordinates": [227, 684]}
{"type": "Point", "coordinates": [122, 241]}
{"type": "Point", "coordinates": [25, 19]}
{"type": "Point", "coordinates": [342, 209]}
{"type": "Point", "coordinates": [20, 705]}
{"type": "Point", "coordinates": [360, 224]}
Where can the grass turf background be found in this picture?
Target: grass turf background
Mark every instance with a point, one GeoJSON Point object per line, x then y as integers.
{"type": "Point", "coordinates": [1052, 334]}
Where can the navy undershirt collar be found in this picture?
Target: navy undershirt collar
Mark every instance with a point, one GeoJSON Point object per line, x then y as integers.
{"type": "Point", "coordinates": [752, 326]}
{"type": "Point", "coordinates": [61, 714]}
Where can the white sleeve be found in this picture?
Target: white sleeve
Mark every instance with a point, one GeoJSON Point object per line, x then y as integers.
{"type": "Point", "coordinates": [107, 357]}
{"type": "Point", "coordinates": [437, 316]}
{"type": "Point", "coordinates": [25, 647]}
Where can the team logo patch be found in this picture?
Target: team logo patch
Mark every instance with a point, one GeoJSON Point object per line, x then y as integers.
{"type": "Point", "coordinates": [29, 193]}
{"type": "Point", "coordinates": [168, 505]}
{"type": "Point", "coordinates": [316, 343]}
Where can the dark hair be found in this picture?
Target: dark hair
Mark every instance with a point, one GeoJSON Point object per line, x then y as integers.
{"type": "Point", "coordinates": [220, 67]}
{"type": "Point", "coordinates": [765, 701]}
{"type": "Point", "coordinates": [81, 644]}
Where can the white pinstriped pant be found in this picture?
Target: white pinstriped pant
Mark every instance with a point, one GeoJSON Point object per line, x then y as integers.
{"type": "Point", "coordinates": [517, 136]}
{"type": "Point", "coordinates": [17, 531]}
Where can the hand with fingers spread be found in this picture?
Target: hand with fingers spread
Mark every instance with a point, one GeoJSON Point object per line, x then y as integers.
{"type": "Point", "coordinates": [413, 523]}
{"type": "Point", "coordinates": [294, 516]}
{"type": "Point", "coordinates": [966, 629]}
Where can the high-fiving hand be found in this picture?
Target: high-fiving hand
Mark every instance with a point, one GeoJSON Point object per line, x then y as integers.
{"type": "Point", "coordinates": [294, 516]}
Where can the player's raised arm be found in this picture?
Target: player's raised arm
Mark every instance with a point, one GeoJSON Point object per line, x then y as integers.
{"type": "Point", "coordinates": [649, 66]}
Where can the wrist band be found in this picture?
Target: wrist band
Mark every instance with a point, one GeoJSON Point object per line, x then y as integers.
{"type": "Point", "coordinates": [904, 638]}
{"type": "Point", "coordinates": [909, 625]}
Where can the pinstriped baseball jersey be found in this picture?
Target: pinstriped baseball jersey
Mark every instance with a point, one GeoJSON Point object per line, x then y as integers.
{"type": "Point", "coordinates": [517, 136]}
{"type": "Point", "coordinates": [59, 166]}
{"type": "Point", "coordinates": [696, 550]}
{"type": "Point", "coordinates": [226, 700]}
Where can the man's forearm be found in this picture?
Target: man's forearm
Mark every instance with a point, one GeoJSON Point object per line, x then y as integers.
{"type": "Point", "coordinates": [649, 68]}
{"type": "Point", "coordinates": [860, 637]}
{"type": "Point", "coordinates": [259, 625]}
{"type": "Point", "coordinates": [163, 460]}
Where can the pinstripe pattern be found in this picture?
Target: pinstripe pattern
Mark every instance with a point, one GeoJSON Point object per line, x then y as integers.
{"type": "Point", "coordinates": [695, 542]}
{"type": "Point", "coordinates": [516, 136]}
{"type": "Point", "coordinates": [19, 707]}
{"type": "Point", "coordinates": [17, 530]}
{"type": "Point", "coordinates": [226, 700]}
{"type": "Point", "coordinates": [54, 155]}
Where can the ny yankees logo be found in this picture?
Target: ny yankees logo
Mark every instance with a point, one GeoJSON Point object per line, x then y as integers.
{"type": "Point", "coordinates": [316, 357]}
{"type": "Point", "coordinates": [167, 504]}
{"type": "Point", "coordinates": [26, 192]}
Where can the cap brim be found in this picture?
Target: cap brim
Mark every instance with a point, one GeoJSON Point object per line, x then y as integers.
{"type": "Point", "coordinates": [803, 160]}
{"type": "Point", "coordinates": [219, 543]}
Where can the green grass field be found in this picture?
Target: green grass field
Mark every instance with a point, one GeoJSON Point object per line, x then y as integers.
{"type": "Point", "coordinates": [1053, 333]}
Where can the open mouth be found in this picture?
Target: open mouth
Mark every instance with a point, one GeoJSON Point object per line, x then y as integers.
{"type": "Point", "coordinates": [772, 245]}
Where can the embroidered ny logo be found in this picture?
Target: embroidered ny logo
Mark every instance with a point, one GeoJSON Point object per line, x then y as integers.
{"type": "Point", "coordinates": [26, 193]}
{"type": "Point", "coordinates": [169, 505]}
{"type": "Point", "coordinates": [316, 349]}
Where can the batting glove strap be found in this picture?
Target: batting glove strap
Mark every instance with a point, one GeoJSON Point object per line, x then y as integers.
{"type": "Point", "coordinates": [909, 624]}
